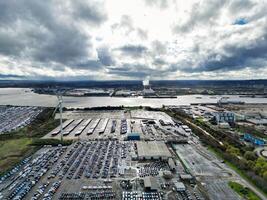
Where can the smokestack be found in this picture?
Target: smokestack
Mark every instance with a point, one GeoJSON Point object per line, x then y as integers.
{"type": "Point", "coordinates": [145, 82]}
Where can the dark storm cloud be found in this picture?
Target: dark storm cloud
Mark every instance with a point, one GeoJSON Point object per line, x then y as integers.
{"type": "Point", "coordinates": [105, 57]}
{"type": "Point", "coordinates": [133, 50]}
{"type": "Point", "coordinates": [131, 74]}
{"type": "Point", "coordinates": [89, 12]}
{"type": "Point", "coordinates": [159, 62]}
{"type": "Point", "coordinates": [34, 30]}
{"type": "Point", "coordinates": [10, 44]}
{"type": "Point", "coordinates": [138, 70]}
{"type": "Point", "coordinates": [236, 58]}
{"type": "Point", "coordinates": [65, 45]}
{"type": "Point", "coordinates": [133, 70]}
{"type": "Point", "coordinates": [89, 64]}
{"type": "Point", "coordinates": [3, 76]}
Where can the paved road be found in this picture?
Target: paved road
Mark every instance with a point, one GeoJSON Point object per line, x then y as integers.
{"type": "Point", "coordinates": [259, 149]}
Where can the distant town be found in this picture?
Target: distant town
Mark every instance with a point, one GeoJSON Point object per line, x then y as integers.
{"type": "Point", "coordinates": [150, 89]}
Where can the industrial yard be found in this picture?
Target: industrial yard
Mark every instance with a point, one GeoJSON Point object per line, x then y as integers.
{"type": "Point", "coordinates": [119, 125]}
{"type": "Point", "coordinates": [121, 154]}
{"type": "Point", "coordinates": [133, 100]}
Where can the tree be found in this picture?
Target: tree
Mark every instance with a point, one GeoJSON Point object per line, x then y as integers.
{"type": "Point", "coordinates": [250, 164]}
{"type": "Point", "coordinates": [265, 175]}
{"type": "Point", "coordinates": [249, 155]}
{"type": "Point", "coordinates": [233, 150]}
{"type": "Point", "coordinates": [242, 164]}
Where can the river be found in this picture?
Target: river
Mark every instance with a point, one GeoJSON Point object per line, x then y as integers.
{"type": "Point", "coordinates": [25, 97]}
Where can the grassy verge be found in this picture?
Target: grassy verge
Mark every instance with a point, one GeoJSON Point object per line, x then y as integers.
{"type": "Point", "coordinates": [244, 192]}
{"type": "Point", "coordinates": [52, 142]}
{"type": "Point", "coordinates": [14, 150]}
{"type": "Point", "coordinates": [17, 145]}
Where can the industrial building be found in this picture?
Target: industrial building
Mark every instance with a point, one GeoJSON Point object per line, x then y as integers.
{"type": "Point", "coordinates": [171, 164]}
{"type": "Point", "coordinates": [179, 186]}
{"type": "Point", "coordinates": [224, 117]}
{"type": "Point", "coordinates": [260, 121]}
{"type": "Point", "coordinates": [186, 177]}
{"type": "Point", "coordinates": [150, 184]}
{"type": "Point", "coordinates": [253, 140]}
{"type": "Point", "coordinates": [153, 150]}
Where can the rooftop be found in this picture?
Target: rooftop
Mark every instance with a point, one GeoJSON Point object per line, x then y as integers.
{"type": "Point", "coordinates": [153, 149]}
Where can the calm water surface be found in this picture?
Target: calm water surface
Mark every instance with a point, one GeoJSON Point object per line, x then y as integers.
{"type": "Point", "coordinates": [25, 97]}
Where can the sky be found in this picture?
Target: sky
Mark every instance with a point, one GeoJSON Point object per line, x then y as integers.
{"type": "Point", "coordinates": [133, 39]}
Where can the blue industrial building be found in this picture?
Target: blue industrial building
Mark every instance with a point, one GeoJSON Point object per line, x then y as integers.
{"type": "Point", "coordinates": [133, 136]}
{"type": "Point", "coordinates": [224, 117]}
{"type": "Point", "coordinates": [256, 141]}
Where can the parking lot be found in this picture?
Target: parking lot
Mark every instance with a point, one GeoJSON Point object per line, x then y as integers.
{"type": "Point", "coordinates": [104, 164]}
{"type": "Point", "coordinates": [29, 173]}
{"type": "Point", "coordinates": [13, 117]}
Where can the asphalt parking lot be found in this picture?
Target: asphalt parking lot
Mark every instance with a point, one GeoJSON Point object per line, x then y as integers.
{"type": "Point", "coordinates": [101, 164]}
{"type": "Point", "coordinates": [14, 117]}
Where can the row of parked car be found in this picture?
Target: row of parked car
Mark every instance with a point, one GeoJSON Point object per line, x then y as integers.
{"type": "Point", "coordinates": [40, 191]}
{"type": "Point", "coordinates": [124, 127]}
{"type": "Point", "coordinates": [51, 192]}
{"type": "Point", "coordinates": [136, 195]}
{"type": "Point", "coordinates": [126, 149]}
{"type": "Point", "coordinates": [93, 159]}
{"type": "Point", "coordinates": [10, 174]}
{"type": "Point", "coordinates": [32, 172]}
{"type": "Point", "coordinates": [69, 159]}
{"type": "Point", "coordinates": [113, 126]}
{"type": "Point", "coordinates": [56, 169]}
{"type": "Point", "coordinates": [14, 117]}
{"type": "Point", "coordinates": [186, 195]}
{"type": "Point", "coordinates": [152, 169]}
{"type": "Point", "coordinates": [97, 195]}
{"type": "Point", "coordinates": [104, 160]}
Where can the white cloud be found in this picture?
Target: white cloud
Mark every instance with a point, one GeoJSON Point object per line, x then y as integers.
{"type": "Point", "coordinates": [118, 39]}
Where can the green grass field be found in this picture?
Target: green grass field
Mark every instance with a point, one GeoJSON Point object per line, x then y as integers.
{"type": "Point", "coordinates": [17, 145]}
{"type": "Point", "coordinates": [244, 192]}
{"type": "Point", "coordinates": [13, 150]}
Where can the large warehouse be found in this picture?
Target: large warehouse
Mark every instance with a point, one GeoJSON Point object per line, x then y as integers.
{"type": "Point", "coordinates": [153, 150]}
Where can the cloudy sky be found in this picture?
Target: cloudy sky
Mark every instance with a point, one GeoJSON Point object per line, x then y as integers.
{"type": "Point", "coordinates": [134, 39]}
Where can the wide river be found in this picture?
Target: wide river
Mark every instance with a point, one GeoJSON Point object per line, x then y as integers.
{"type": "Point", "coordinates": [25, 97]}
